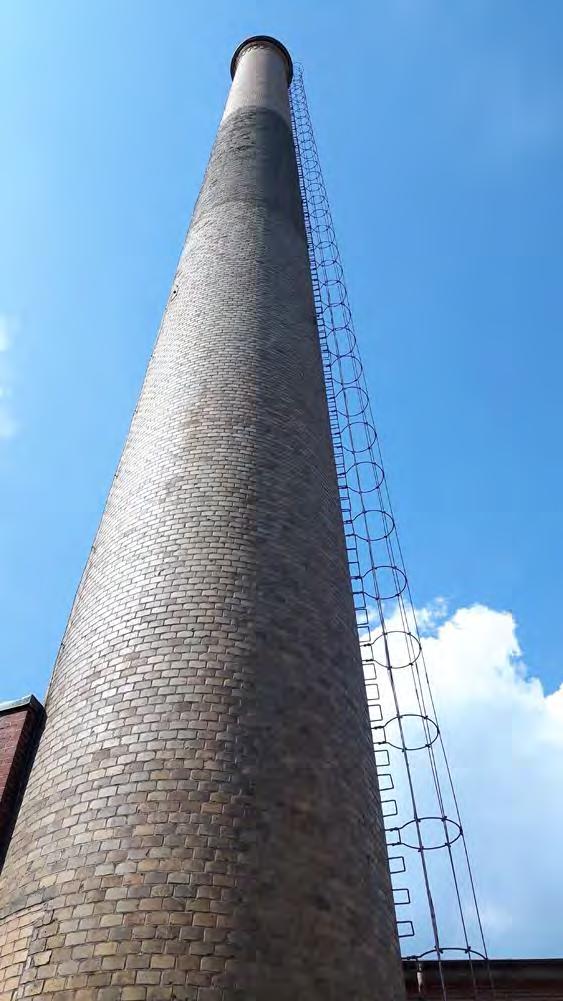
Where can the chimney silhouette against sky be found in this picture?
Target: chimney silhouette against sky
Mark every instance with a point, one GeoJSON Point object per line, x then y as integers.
{"type": "Point", "coordinates": [203, 818]}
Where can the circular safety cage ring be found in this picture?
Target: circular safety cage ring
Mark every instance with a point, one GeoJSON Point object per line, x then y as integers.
{"type": "Point", "coordinates": [340, 341]}
{"type": "Point", "coordinates": [326, 255]}
{"type": "Point", "coordinates": [310, 159]}
{"type": "Point", "coordinates": [346, 370]}
{"type": "Point", "coordinates": [358, 437]}
{"type": "Point", "coordinates": [308, 154]}
{"type": "Point", "coordinates": [323, 239]}
{"type": "Point", "coordinates": [332, 295]}
{"type": "Point", "coordinates": [307, 144]}
{"type": "Point", "coordinates": [312, 173]}
{"type": "Point", "coordinates": [352, 401]}
{"type": "Point", "coordinates": [468, 951]}
{"type": "Point", "coordinates": [332, 286]}
{"type": "Point", "coordinates": [430, 731]}
{"type": "Point", "coordinates": [317, 200]}
{"type": "Point", "coordinates": [384, 524]}
{"type": "Point", "coordinates": [320, 228]}
{"type": "Point", "coordinates": [398, 653]}
{"type": "Point", "coordinates": [314, 168]}
{"type": "Point", "coordinates": [316, 194]}
{"type": "Point", "coordinates": [320, 234]}
{"type": "Point", "coordinates": [320, 223]}
{"type": "Point", "coordinates": [310, 162]}
{"type": "Point", "coordinates": [325, 236]}
{"type": "Point", "coordinates": [388, 582]}
{"type": "Point", "coordinates": [335, 310]}
{"type": "Point", "coordinates": [365, 476]}
{"type": "Point", "coordinates": [444, 832]}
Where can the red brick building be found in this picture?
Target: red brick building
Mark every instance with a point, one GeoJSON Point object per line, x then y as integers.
{"type": "Point", "coordinates": [21, 723]}
{"type": "Point", "coordinates": [513, 980]}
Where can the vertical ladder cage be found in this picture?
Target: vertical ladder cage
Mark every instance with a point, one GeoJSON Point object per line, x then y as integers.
{"type": "Point", "coordinates": [433, 887]}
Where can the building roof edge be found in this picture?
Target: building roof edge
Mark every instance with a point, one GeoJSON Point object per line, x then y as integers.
{"type": "Point", "coordinates": [27, 700]}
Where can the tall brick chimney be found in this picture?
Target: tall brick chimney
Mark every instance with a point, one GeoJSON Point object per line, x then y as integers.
{"type": "Point", "coordinates": [203, 818]}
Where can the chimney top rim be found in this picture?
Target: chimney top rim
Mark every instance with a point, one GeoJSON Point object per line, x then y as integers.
{"type": "Point", "coordinates": [268, 40]}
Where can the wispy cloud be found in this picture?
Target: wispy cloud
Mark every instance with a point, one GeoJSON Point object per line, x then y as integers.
{"type": "Point", "coordinates": [8, 424]}
{"type": "Point", "coordinates": [5, 339]}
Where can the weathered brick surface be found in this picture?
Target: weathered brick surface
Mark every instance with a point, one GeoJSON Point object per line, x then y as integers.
{"type": "Point", "coordinates": [203, 819]}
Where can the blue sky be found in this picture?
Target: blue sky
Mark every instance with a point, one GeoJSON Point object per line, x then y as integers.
{"type": "Point", "coordinates": [440, 127]}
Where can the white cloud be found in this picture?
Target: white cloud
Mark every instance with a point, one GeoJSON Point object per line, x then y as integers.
{"type": "Point", "coordinates": [5, 338]}
{"type": "Point", "coordinates": [8, 426]}
{"type": "Point", "coordinates": [504, 737]}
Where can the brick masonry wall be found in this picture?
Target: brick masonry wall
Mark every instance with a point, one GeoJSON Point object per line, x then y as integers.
{"type": "Point", "coordinates": [203, 818]}
{"type": "Point", "coordinates": [20, 728]}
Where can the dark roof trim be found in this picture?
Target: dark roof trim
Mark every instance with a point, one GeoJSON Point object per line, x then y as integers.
{"type": "Point", "coordinates": [505, 972]}
{"type": "Point", "coordinates": [28, 700]}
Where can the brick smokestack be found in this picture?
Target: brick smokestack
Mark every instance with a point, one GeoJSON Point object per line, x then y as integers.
{"type": "Point", "coordinates": [203, 820]}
